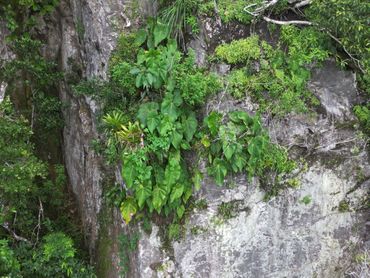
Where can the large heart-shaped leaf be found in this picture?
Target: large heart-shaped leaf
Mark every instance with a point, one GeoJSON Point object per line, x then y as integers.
{"type": "Point", "coordinates": [169, 108]}
{"type": "Point", "coordinates": [160, 33]}
{"type": "Point", "coordinates": [129, 172]}
{"type": "Point", "coordinates": [159, 197]}
{"type": "Point", "coordinates": [176, 192]}
{"type": "Point", "coordinates": [128, 209]}
{"type": "Point", "coordinates": [147, 110]}
{"type": "Point", "coordinates": [190, 124]}
{"type": "Point", "coordinates": [142, 193]}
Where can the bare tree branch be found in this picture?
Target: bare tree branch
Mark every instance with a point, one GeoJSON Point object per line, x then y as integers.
{"type": "Point", "coordinates": [290, 22]}
{"type": "Point", "coordinates": [302, 4]}
{"type": "Point", "coordinates": [40, 216]}
{"type": "Point", "coordinates": [14, 235]}
{"type": "Point", "coordinates": [355, 60]}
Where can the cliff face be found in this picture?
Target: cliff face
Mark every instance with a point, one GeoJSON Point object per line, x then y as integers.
{"type": "Point", "coordinates": [286, 236]}
{"type": "Point", "coordinates": [315, 230]}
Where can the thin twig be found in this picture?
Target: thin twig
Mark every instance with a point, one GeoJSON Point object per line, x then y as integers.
{"type": "Point", "coordinates": [40, 216]}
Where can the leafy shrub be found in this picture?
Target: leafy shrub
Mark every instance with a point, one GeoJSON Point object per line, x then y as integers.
{"type": "Point", "coordinates": [279, 81]}
{"type": "Point", "coordinates": [347, 20]}
{"type": "Point", "coordinates": [239, 51]}
{"type": "Point", "coordinates": [238, 82]}
{"type": "Point", "coordinates": [241, 145]}
{"type": "Point", "coordinates": [363, 115]}
{"type": "Point", "coordinates": [195, 84]}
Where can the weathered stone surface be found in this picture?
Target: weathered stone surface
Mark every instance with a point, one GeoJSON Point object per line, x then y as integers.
{"type": "Point", "coordinates": [283, 237]}
{"type": "Point", "coordinates": [280, 238]}
{"type": "Point", "coordinates": [336, 90]}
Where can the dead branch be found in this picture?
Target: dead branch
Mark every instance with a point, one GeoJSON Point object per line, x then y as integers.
{"type": "Point", "coordinates": [13, 234]}
{"type": "Point", "coordinates": [355, 60]}
{"type": "Point", "coordinates": [290, 22]}
{"type": "Point", "coordinates": [38, 226]}
{"type": "Point", "coordinates": [302, 4]}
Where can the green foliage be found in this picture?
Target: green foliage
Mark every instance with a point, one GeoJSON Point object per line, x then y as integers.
{"type": "Point", "coordinates": [21, 15]}
{"type": "Point", "coordinates": [25, 189]}
{"type": "Point", "coordinates": [227, 10]}
{"type": "Point", "coordinates": [227, 210]}
{"type": "Point", "coordinates": [38, 78]}
{"type": "Point", "coordinates": [174, 231]}
{"type": "Point", "coordinates": [343, 206]}
{"type": "Point", "coordinates": [241, 145]}
{"type": "Point", "coordinates": [178, 15]}
{"type": "Point", "coordinates": [347, 20]}
{"type": "Point", "coordinates": [239, 83]}
{"type": "Point", "coordinates": [239, 51]}
{"type": "Point", "coordinates": [18, 167]}
{"type": "Point", "coordinates": [195, 84]}
{"type": "Point", "coordinates": [363, 115]}
{"type": "Point", "coordinates": [151, 143]}
{"type": "Point", "coordinates": [306, 200]}
{"type": "Point", "coordinates": [8, 261]}
{"type": "Point", "coordinates": [278, 83]}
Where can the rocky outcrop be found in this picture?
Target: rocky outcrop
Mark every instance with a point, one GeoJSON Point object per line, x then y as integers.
{"type": "Point", "coordinates": [314, 230]}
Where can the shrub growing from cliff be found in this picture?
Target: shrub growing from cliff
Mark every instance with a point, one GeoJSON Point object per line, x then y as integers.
{"type": "Point", "coordinates": [155, 142]}
{"type": "Point", "coordinates": [277, 78]}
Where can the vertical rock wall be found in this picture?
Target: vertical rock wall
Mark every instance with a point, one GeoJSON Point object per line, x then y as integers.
{"type": "Point", "coordinates": [280, 238]}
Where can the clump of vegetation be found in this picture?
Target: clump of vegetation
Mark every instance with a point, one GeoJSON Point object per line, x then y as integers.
{"type": "Point", "coordinates": [240, 51]}
{"type": "Point", "coordinates": [278, 82]}
{"type": "Point", "coordinates": [197, 230]}
{"type": "Point", "coordinates": [363, 115]}
{"type": "Point", "coordinates": [306, 200]}
{"type": "Point", "coordinates": [343, 206]}
{"type": "Point", "coordinates": [227, 210]}
{"type": "Point", "coordinates": [151, 140]}
{"type": "Point", "coordinates": [241, 145]}
{"type": "Point", "coordinates": [31, 201]}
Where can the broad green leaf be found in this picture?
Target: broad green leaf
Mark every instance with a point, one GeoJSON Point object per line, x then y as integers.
{"type": "Point", "coordinates": [190, 126]}
{"type": "Point", "coordinates": [160, 33]}
{"type": "Point", "coordinates": [147, 110]}
{"type": "Point", "coordinates": [152, 122]}
{"type": "Point", "coordinates": [128, 209]}
{"type": "Point", "coordinates": [159, 197]}
{"type": "Point", "coordinates": [205, 141]}
{"type": "Point", "coordinates": [169, 108]}
{"type": "Point", "coordinates": [213, 122]}
{"type": "Point", "coordinates": [165, 126]}
{"type": "Point", "coordinates": [176, 192]}
{"type": "Point", "coordinates": [228, 151]}
{"type": "Point", "coordinates": [141, 37]}
{"type": "Point", "coordinates": [129, 172]}
{"type": "Point", "coordinates": [239, 116]}
{"type": "Point", "coordinates": [177, 99]}
{"type": "Point", "coordinates": [197, 179]}
{"type": "Point", "coordinates": [142, 193]}
{"type": "Point", "coordinates": [219, 171]}
{"type": "Point", "coordinates": [176, 139]}
{"type": "Point", "coordinates": [180, 211]}
{"type": "Point", "coordinates": [172, 174]}
{"type": "Point", "coordinates": [239, 162]}
{"type": "Point", "coordinates": [187, 194]}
